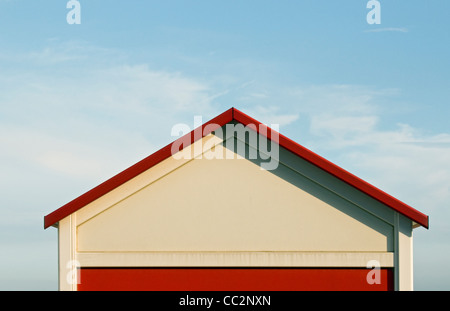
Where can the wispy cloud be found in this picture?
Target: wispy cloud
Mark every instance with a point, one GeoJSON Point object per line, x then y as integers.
{"type": "Point", "coordinates": [92, 121]}
{"type": "Point", "coordinates": [347, 124]}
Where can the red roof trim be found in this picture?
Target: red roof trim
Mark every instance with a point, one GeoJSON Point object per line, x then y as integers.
{"type": "Point", "coordinates": [342, 174]}
{"type": "Point", "coordinates": [222, 119]}
{"type": "Point", "coordinates": [133, 171]}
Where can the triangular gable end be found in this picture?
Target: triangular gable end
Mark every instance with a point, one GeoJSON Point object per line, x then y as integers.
{"type": "Point", "coordinates": [212, 204]}
{"type": "Point", "coordinates": [234, 115]}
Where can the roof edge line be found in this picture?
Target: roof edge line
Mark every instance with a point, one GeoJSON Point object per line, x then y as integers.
{"type": "Point", "coordinates": [134, 170]}
{"type": "Point", "coordinates": [220, 120]}
{"type": "Point", "coordinates": [338, 172]}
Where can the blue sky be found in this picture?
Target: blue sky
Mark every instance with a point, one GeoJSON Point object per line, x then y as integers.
{"type": "Point", "coordinates": [80, 103]}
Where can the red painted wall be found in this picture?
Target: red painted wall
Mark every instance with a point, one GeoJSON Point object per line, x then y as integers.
{"type": "Point", "coordinates": [231, 279]}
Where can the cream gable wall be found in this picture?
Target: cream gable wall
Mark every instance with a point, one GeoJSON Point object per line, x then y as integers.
{"type": "Point", "coordinates": [228, 205]}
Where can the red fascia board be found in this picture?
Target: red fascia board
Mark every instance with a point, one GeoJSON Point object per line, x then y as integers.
{"type": "Point", "coordinates": [221, 120]}
{"type": "Point", "coordinates": [136, 169]}
{"type": "Point", "coordinates": [337, 171]}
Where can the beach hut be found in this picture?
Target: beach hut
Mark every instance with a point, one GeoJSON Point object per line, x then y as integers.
{"type": "Point", "coordinates": [235, 205]}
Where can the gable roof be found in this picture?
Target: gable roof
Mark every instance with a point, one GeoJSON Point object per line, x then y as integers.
{"type": "Point", "coordinates": [228, 116]}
